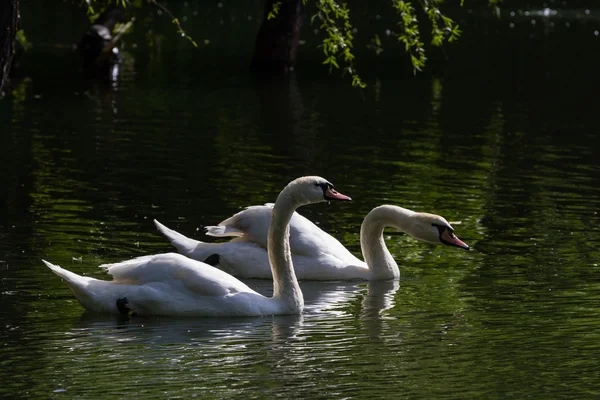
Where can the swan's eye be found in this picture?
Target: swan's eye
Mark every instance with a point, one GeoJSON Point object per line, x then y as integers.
{"type": "Point", "coordinates": [323, 185]}
{"type": "Point", "coordinates": [443, 228]}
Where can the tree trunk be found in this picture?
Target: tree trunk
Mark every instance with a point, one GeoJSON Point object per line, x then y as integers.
{"type": "Point", "coordinates": [278, 38]}
{"type": "Point", "coordinates": [9, 24]}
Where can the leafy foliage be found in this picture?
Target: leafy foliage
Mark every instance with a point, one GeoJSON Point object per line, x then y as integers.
{"type": "Point", "coordinates": [93, 13]}
{"type": "Point", "coordinates": [174, 20]}
{"type": "Point", "coordinates": [21, 38]}
{"type": "Point", "coordinates": [273, 13]}
{"type": "Point", "coordinates": [337, 44]}
{"type": "Point", "coordinates": [333, 17]}
{"type": "Point", "coordinates": [444, 29]}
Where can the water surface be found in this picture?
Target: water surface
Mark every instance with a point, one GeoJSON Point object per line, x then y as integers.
{"type": "Point", "coordinates": [503, 139]}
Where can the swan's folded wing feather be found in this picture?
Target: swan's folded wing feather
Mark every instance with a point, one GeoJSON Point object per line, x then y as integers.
{"type": "Point", "coordinates": [244, 259]}
{"type": "Point", "coordinates": [178, 270]}
{"type": "Point", "coordinates": [223, 231]}
{"type": "Point", "coordinates": [250, 224]}
{"type": "Point", "coordinates": [209, 281]}
{"type": "Point", "coordinates": [306, 238]}
{"type": "Point", "coordinates": [309, 240]}
{"type": "Point", "coordinates": [128, 271]}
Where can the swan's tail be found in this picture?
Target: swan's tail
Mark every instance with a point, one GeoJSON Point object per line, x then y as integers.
{"type": "Point", "coordinates": [79, 285]}
{"type": "Point", "coordinates": [71, 278]}
{"type": "Point", "coordinates": [183, 244]}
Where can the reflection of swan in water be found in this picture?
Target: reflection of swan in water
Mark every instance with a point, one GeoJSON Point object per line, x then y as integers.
{"type": "Point", "coordinates": [325, 298]}
{"type": "Point", "coordinates": [380, 297]}
{"type": "Point", "coordinates": [168, 330]}
{"type": "Point", "coordinates": [222, 353]}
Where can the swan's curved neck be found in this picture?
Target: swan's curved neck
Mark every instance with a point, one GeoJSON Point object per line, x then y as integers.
{"type": "Point", "coordinates": [285, 284]}
{"type": "Point", "coordinates": [375, 252]}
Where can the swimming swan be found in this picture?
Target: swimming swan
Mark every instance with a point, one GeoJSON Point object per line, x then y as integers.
{"type": "Point", "coordinates": [316, 254]}
{"type": "Point", "coordinates": [175, 285]}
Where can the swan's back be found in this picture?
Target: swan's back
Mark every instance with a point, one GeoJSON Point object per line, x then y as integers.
{"type": "Point", "coordinates": [306, 238]}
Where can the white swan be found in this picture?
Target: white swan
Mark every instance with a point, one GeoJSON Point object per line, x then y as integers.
{"type": "Point", "coordinates": [175, 285]}
{"type": "Point", "coordinates": [316, 255]}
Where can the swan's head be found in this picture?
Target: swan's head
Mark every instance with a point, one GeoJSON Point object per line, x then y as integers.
{"type": "Point", "coordinates": [432, 228]}
{"type": "Point", "coordinates": [314, 189]}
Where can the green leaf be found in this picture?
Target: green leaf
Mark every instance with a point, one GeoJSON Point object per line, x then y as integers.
{"type": "Point", "coordinates": [273, 13]}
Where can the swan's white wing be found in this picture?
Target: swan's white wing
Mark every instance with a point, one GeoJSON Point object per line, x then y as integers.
{"type": "Point", "coordinates": [306, 238]}
{"type": "Point", "coordinates": [176, 270]}
{"type": "Point", "coordinates": [251, 224]}
{"type": "Point", "coordinates": [244, 259]}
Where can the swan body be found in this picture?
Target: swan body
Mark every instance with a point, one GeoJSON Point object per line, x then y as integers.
{"type": "Point", "coordinates": [175, 285]}
{"type": "Point", "coordinates": [316, 254]}
{"type": "Point", "coordinates": [170, 284]}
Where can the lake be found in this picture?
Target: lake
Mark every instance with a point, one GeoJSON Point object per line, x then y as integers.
{"type": "Point", "coordinates": [499, 133]}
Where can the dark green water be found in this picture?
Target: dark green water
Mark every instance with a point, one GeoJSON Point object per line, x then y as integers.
{"type": "Point", "coordinates": [502, 136]}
